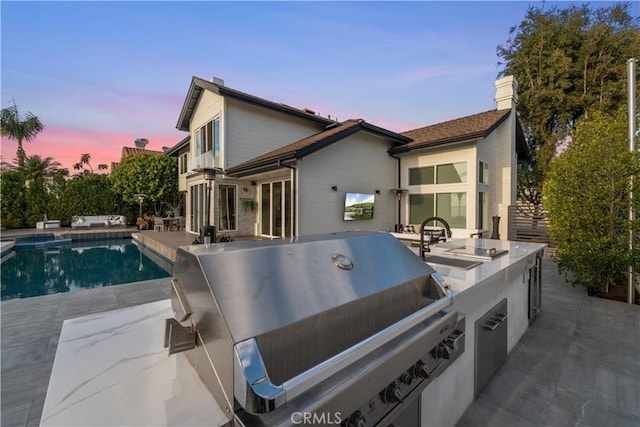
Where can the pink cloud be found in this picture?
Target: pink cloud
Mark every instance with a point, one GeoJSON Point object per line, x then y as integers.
{"type": "Point", "coordinates": [66, 145]}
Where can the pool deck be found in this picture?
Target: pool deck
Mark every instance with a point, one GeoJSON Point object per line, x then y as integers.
{"type": "Point", "coordinates": [72, 233]}
{"type": "Point", "coordinates": [577, 364]}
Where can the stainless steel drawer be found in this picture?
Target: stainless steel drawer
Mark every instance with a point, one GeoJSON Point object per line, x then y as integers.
{"type": "Point", "coordinates": [491, 344]}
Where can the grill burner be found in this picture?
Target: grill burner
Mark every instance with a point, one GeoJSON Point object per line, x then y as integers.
{"type": "Point", "coordinates": [349, 324]}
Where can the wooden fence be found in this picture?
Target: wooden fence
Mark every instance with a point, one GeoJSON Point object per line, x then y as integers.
{"type": "Point", "coordinates": [529, 225]}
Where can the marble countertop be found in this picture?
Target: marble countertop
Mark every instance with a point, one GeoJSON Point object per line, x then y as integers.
{"type": "Point", "coordinates": [505, 267]}
{"type": "Point", "coordinates": [111, 369]}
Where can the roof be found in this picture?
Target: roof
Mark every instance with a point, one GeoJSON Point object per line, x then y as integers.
{"type": "Point", "coordinates": [304, 147]}
{"type": "Point", "coordinates": [476, 126]}
{"type": "Point", "coordinates": [198, 85]}
{"type": "Point", "coordinates": [184, 143]}
{"type": "Point", "coordinates": [131, 151]}
{"type": "Point", "coordinates": [465, 128]}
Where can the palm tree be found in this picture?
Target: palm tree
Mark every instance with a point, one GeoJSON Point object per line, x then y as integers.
{"type": "Point", "coordinates": [85, 159]}
{"type": "Point", "coordinates": [35, 167]}
{"type": "Point", "coordinates": [20, 128]}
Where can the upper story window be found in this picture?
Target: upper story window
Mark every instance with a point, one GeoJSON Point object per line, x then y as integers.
{"type": "Point", "coordinates": [483, 173]}
{"type": "Point", "coordinates": [207, 139]}
{"type": "Point", "coordinates": [183, 163]}
{"type": "Point", "coordinates": [447, 173]}
{"type": "Point", "coordinates": [422, 176]}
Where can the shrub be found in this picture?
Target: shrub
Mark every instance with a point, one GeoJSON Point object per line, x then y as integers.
{"type": "Point", "coordinates": [587, 200]}
{"type": "Point", "coordinates": [12, 196]}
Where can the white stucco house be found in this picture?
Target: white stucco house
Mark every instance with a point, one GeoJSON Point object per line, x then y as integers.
{"type": "Point", "coordinates": [284, 171]}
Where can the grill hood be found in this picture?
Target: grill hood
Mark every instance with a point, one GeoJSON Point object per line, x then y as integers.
{"type": "Point", "coordinates": [273, 319]}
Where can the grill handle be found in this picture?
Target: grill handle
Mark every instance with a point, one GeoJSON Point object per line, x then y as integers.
{"type": "Point", "coordinates": [257, 394]}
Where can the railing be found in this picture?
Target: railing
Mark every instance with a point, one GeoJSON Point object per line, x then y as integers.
{"type": "Point", "coordinates": [529, 224]}
{"type": "Point", "coordinates": [205, 160]}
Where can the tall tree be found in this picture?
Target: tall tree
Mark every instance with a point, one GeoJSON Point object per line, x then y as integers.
{"type": "Point", "coordinates": [85, 159]}
{"type": "Point", "coordinates": [36, 167]}
{"type": "Point", "coordinates": [570, 63]}
{"type": "Point", "coordinates": [19, 128]}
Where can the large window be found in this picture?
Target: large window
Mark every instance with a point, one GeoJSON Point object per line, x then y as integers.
{"type": "Point", "coordinates": [199, 205]}
{"type": "Point", "coordinates": [452, 207]}
{"type": "Point", "coordinates": [421, 207]}
{"type": "Point", "coordinates": [421, 176]}
{"type": "Point", "coordinates": [448, 173]}
{"type": "Point", "coordinates": [227, 203]}
{"type": "Point", "coordinates": [451, 173]}
{"type": "Point", "coordinates": [207, 139]}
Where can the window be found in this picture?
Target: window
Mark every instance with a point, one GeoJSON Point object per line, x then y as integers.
{"type": "Point", "coordinates": [421, 207]}
{"type": "Point", "coordinates": [451, 173]}
{"type": "Point", "coordinates": [227, 202]}
{"type": "Point", "coordinates": [421, 176]}
{"type": "Point", "coordinates": [452, 207]}
{"type": "Point", "coordinates": [216, 142]}
{"type": "Point", "coordinates": [448, 173]}
{"type": "Point", "coordinates": [207, 139]}
{"type": "Point", "coordinates": [198, 141]}
{"type": "Point", "coordinates": [199, 205]}
{"type": "Point", "coordinates": [483, 211]}
{"type": "Point", "coordinates": [483, 173]}
{"type": "Point", "coordinates": [182, 163]}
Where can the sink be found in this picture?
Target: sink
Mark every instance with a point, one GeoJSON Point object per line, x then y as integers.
{"type": "Point", "coordinates": [452, 262]}
{"type": "Point", "coordinates": [480, 253]}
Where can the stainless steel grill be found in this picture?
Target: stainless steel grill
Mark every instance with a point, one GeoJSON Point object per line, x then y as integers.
{"type": "Point", "coordinates": [350, 326]}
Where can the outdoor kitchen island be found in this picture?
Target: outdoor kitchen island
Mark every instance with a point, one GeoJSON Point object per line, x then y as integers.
{"type": "Point", "coordinates": [484, 276]}
{"type": "Point", "coordinates": [132, 380]}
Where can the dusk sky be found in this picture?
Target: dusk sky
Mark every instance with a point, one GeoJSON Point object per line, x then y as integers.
{"type": "Point", "coordinates": [101, 74]}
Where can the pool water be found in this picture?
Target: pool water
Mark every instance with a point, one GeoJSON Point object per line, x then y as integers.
{"type": "Point", "coordinates": [75, 266]}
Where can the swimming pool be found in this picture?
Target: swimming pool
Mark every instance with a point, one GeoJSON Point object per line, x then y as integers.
{"type": "Point", "coordinates": [75, 266]}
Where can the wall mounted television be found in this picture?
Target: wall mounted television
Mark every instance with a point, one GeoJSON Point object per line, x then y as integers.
{"type": "Point", "coordinates": [358, 206]}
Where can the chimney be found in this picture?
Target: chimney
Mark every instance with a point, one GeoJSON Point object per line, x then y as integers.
{"type": "Point", "coordinates": [141, 142]}
{"type": "Point", "coordinates": [217, 80]}
{"type": "Point", "coordinates": [506, 92]}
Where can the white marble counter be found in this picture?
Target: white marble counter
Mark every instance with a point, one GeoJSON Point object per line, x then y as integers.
{"type": "Point", "coordinates": [111, 369]}
{"type": "Point", "coordinates": [505, 267]}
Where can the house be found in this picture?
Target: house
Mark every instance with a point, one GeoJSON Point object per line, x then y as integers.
{"type": "Point", "coordinates": [139, 148]}
{"type": "Point", "coordinates": [465, 170]}
{"type": "Point", "coordinates": [283, 171]}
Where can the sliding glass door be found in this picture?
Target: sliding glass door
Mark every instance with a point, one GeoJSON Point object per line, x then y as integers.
{"type": "Point", "coordinates": [275, 209]}
{"type": "Point", "coordinates": [198, 202]}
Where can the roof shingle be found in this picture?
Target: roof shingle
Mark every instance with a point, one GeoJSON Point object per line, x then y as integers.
{"type": "Point", "coordinates": [465, 128]}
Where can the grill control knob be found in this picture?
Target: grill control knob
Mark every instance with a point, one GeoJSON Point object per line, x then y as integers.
{"type": "Point", "coordinates": [356, 420]}
{"type": "Point", "coordinates": [392, 394]}
{"type": "Point", "coordinates": [443, 351]}
{"type": "Point", "coordinates": [420, 370]}
{"type": "Point", "coordinates": [406, 378]}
